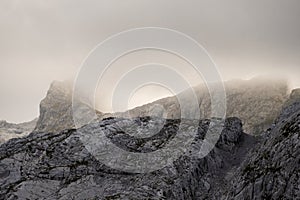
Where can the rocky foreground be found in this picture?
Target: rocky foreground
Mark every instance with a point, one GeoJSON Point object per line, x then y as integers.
{"type": "Point", "coordinates": [272, 169]}
{"type": "Point", "coordinates": [58, 166]}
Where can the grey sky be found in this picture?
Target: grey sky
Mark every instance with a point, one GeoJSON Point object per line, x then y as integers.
{"type": "Point", "coordinates": [44, 40]}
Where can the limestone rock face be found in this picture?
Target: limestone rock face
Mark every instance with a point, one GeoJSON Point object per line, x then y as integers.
{"type": "Point", "coordinates": [58, 166]}
{"type": "Point", "coordinates": [56, 109]}
{"type": "Point", "coordinates": [272, 169]}
{"type": "Point", "coordinates": [10, 130]}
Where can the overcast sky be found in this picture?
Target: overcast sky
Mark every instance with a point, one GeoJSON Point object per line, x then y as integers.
{"type": "Point", "coordinates": [43, 40]}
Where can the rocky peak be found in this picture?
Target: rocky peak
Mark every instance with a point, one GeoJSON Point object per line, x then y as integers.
{"type": "Point", "coordinates": [56, 109]}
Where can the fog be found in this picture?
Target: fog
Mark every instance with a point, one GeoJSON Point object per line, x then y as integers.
{"type": "Point", "coordinates": [42, 41]}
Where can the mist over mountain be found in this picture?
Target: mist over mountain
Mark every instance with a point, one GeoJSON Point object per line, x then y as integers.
{"type": "Point", "coordinates": [57, 164]}
{"type": "Point", "coordinates": [150, 100]}
{"type": "Point", "coordinates": [256, 102]}
{"type": "Point", "coordinates": [56, 108]}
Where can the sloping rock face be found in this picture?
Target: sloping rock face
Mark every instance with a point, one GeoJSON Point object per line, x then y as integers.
{"type": "Point", "coordinates": [257, 102]}
{"type": "Point", "coordinates": [10, 130]}
{"type": "Point", "coordinates": [294, 97]}
{"type": "Point", "coordinates": [56, 109]}
{"type": "Point", "coordinates": [272, 169]}
{"type": "Point", "coordinates": [58, 165]}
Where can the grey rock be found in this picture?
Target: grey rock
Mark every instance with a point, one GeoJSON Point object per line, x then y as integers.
{"type": "Point", "coordinates": [56, 109]}
{"type": "Point", "coordinates": [9, 130]}
{"type": "Point", "coordinates": [272, 169]}
{"type": "Point", "coordinates": [294, 97]}
{"type": "Point", "coordinates": [257, 102]}
{"type": "Point", "coordinates": [58, 165]}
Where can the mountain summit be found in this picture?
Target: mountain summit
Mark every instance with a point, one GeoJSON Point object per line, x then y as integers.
{"type": "Point", "coordinates": [256, 102]}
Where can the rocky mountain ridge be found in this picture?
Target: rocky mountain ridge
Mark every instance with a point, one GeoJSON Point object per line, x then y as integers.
{"type": "Point", "coordinates": [58, 166]}
{"type": "Point", "coordinates": [256, 102]}
{"type": "Point", "coordinates": [272, 169]}
{"type": "Point", "coordinates": [11, 130]}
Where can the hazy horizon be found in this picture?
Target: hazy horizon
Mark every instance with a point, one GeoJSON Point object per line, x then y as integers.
{"type": "Point", "coordinates": [44, 41]}
{"type": "Point", "coordinates": [141, 98]}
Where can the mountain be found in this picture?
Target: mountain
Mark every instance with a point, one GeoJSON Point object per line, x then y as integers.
{"type": "Point", "coordinates": [272, 169]}
{"type": "Point", "coordinates": [56, 108]}
{"type": "Point", "coordinates": [58, 165]}
{"type": "Point", "coordinates": [10, 130]}
{"type": "Point", "coordinates": [256, 102]}
{"type": "Point", "coordinates": [56, 112]}
{"type": "Point", "coordinates": [61, 165]}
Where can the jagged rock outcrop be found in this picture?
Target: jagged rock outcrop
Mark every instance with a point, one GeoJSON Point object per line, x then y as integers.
{"type": "Point", "coordinates": [58, 166]}
{"type": "Point", "coordinates": [10, 130]}
{"type": "Point", "coordinates": [56, 109]}
{"type": "Point", "coordinates": [272, 169]}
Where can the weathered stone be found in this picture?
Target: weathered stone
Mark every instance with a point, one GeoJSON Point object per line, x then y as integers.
{"type": "Point", "coordinates": [58, 166]}
{"type": "Point", "coordinates": [272, 169]}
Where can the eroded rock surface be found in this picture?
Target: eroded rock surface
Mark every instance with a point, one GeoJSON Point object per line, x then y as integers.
{"type": "Point", "coordinates": [56, 109]}
{"type": "Point", "coordinates": [58, 165]}
{"type": "Point", "coordinates": [272, 169]}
